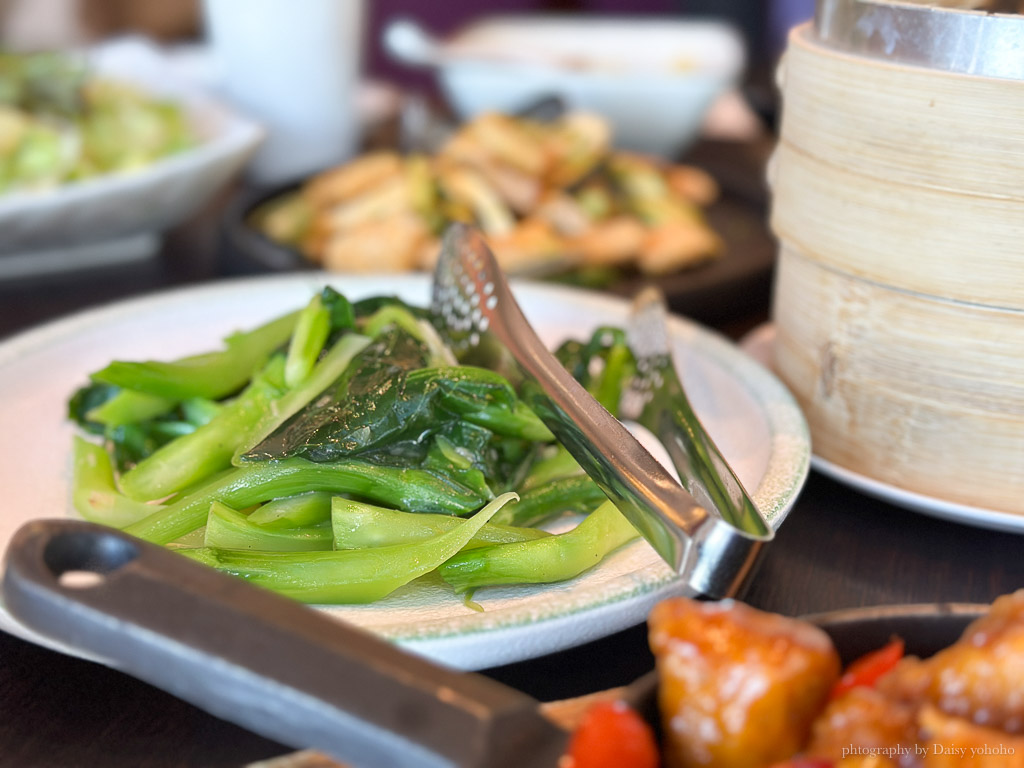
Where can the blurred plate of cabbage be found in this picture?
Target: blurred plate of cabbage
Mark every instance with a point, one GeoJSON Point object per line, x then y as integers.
{"type": "Point", "coordinates": [104, 146]}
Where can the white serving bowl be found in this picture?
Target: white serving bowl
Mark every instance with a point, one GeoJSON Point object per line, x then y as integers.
{"type": "Point", "coordinates": [653, 79]}
{"type": "Point", "coordinates": [79, 218]}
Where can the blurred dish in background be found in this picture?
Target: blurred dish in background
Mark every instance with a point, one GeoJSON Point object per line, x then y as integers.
{"type": "Point", "coordinates": [139, 165]}
{"type": "Point", "coordinates": [551, 196]}
{"type": "Point", "coordinates": [60, 123]}
{"type": "Point", "coordinates": [733, 288]}
{"type": "Point", "coordinates": [653, 79]}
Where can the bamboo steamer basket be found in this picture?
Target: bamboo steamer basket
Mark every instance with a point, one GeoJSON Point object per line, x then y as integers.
{"type": "Point", "coordinates": [898, 203]}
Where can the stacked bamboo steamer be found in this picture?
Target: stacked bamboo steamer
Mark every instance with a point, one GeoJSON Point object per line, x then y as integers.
{"type": "Point", "coordinates": [898, 204]}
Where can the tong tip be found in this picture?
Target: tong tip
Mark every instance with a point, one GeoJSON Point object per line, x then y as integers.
{"type": "Point", "coordinates": [647, 328]}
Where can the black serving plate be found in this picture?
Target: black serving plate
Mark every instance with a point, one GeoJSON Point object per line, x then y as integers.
{"type": "Point", "coordinates": [735, 285]}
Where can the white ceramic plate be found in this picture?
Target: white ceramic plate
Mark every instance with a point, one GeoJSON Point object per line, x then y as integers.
{"type": "Point", "coordinates": [58, 228]}
{"type": "Point", "coordinates": [750, 415]}
{"type": "Point", "coordinates": [758, 344]}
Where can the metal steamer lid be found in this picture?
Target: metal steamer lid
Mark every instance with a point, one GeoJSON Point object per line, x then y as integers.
{"type": "Point", "coordinates": [971, 42]}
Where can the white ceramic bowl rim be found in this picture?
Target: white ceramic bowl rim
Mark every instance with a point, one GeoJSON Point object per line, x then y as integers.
{"type": "Point", "coordinates": [660, 48]}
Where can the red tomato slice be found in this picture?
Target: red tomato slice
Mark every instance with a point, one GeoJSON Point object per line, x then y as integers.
{"type": "Point", "coordinates": [612, 735]}
{"type": "Point", "coordinates": [868, 668]}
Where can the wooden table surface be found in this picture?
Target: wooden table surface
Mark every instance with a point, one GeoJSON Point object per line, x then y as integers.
{"type": "Point", "coordinates": [837, 549]}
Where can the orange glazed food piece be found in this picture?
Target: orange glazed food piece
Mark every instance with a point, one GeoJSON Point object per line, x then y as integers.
{"type": "Point", "coordinates": [952, 742]}
{"type": "Point", "coordinates": [979, 678]}
{"type": "Point", "coordinates": [862, 717]}
{"type": "Point", "coordinates": [612, 735]}
{"type": "Point", "coordinates": [739, 687]}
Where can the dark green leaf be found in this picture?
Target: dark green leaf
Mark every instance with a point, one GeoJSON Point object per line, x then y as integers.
{"type": "Point", "coordinates": [85, 399]}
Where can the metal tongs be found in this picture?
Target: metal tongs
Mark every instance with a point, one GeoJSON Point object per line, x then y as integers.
{"type": "Point", "coordinates": [657, 400]}
{"type": "Point", "coordinates": [711, 540]}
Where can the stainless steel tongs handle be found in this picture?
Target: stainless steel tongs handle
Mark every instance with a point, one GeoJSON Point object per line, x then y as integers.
{"type": "Point", "coordinates": [474, 299]}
